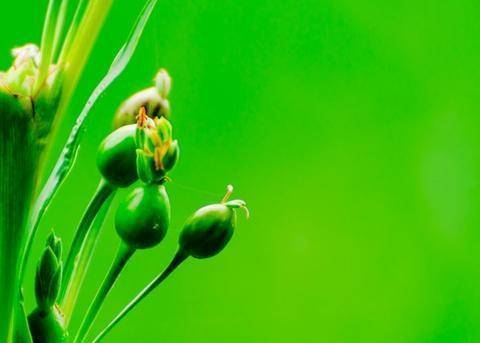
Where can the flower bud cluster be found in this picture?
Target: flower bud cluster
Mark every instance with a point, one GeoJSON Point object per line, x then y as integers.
{"type": "Point", "coordinates": [157, 152]}
{"type": "Point", "coordinates": [49, 273]}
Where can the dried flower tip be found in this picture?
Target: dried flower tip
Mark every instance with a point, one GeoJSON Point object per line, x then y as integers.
{"type": "Point", "coordinates": [228, 194]}
{"type": "Point", "coordinates": [25, 54]}
{"type": "Point", "coordinates": [163, 83]}
{"type": "Point", "coordinates": [142, 118]}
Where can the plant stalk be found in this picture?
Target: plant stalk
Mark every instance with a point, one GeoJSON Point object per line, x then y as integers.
{"type": "Point", "coordinates": [18, 158]}
{"type": "Point", "coordinates": [48, 42]}
{"type": "Point", "coordinates": [178, 259]}
{"type": "Point", "coordinates": [78, 274]}
{"type": "Point", "coordinates": [75, 256]}
{"type": "Point", "coordinates": [123, 255]}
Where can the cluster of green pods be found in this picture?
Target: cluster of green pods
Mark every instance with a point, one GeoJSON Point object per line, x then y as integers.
{"type": "Point", "coordinates": [139, 153]}
{"type": "Point", "coordinates": [143, 218]}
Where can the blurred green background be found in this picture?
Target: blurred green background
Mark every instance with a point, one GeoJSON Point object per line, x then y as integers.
{"type": "Point", "coordinates": [351, 128]}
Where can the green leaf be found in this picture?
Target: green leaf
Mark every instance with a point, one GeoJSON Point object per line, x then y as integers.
{"type": "Point", "coordinates": [69, 152]}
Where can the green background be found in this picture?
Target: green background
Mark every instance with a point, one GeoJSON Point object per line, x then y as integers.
{"type": "Point", "coordinates": [352, 130]}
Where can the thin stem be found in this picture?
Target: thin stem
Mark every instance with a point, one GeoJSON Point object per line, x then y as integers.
{"type": "Point", "coordinates": [48, 42]}
{"type": "Point", "coordinates": [59, 28]}
{"type": "Point", "coordinates": [74, 286]}
{"type": "Point", "coordinates": [72, 31]}
{"type": "Point", "coordinates": [123, 255]}
{"type": "Point", "coordinates": [81, 46]}
{"type": "Point", "coordinates": [179, 257]}
{"type": "Point", "coordinates": [102, 194]}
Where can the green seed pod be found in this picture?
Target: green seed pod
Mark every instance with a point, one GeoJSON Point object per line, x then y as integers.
{"type": "Point", "coordinates": [116, 158]}
{"type": "Point", "coordinates": [47, 326]}
{"type": "Point", "coordinates": [208, 230]}
{"type": "Point", "coordinates": [143, 218]}
{"type": "Point", "coordinates": [154, 99]}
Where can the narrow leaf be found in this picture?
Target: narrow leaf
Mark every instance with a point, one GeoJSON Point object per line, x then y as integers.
{"type": "Point", "coordinates": [72, 31]}
{"type": "Point", "coordinates": [69, 152]}
{"type": "Point", "coordinates": [59, 28]}
{"type": "Point", "coordinates": [48, 40]}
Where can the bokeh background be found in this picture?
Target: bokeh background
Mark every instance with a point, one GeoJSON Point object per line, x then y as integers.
{"type": "Point", "coordinates": [352, 129]}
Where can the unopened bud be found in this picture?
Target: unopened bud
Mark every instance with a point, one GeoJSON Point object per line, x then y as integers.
{"type": "Point", "coordinates": [55, 243]}
{"type": "Point", "coordinates": [163, 82]}
{"type": "Point", "coordinates": [156, 152]}
{"type": "Point", "coordinates": [153, 99]}
{"type": "Point", "coordinates": [48, 278]}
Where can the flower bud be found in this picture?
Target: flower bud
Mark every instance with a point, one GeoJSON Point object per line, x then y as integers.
{"type": "Point", "coordinates": [157, 153]}
{"type": "Point", "coordinates": [143, 218]}
{"type": "Point", "coordinates": [208, 230]}
{"type": "Point", "coordinates": [163, 82]}
{"type": "Point", "coordinates": [55, 243]}
{"type": "Point", "coordinates": [20, 78]}
{"type": "Point", "coordinates": [116, 158]}
{"type": "Point", "coordinates": [49, 274]}
{"type": "Point", "coordinates": [37, 99]}
{"type": "Point", "coordinates": [153, 99]}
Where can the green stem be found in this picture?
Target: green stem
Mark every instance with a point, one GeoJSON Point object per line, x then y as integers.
{"type": "Point", "coordinates": [72, 31]}
{"type": "Point", "coordinates": [18, 158]}
{"type": "Point", "coordinates": [76, 49]}
{"type": "Point", "coordinates": [123, 255]}
{"type": "Point", "coordinates": [48, 42]}
{"type": "Point", "coordinates": [59, 28]}
{"type": "Point", "coordinates": [75, 255]}
{"type": "Point", "coordinates": [78, 275]}
{"type": "Point", "coordinates": [179, 257]}
{"type": "Point", "coordinates": [79, 49]}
